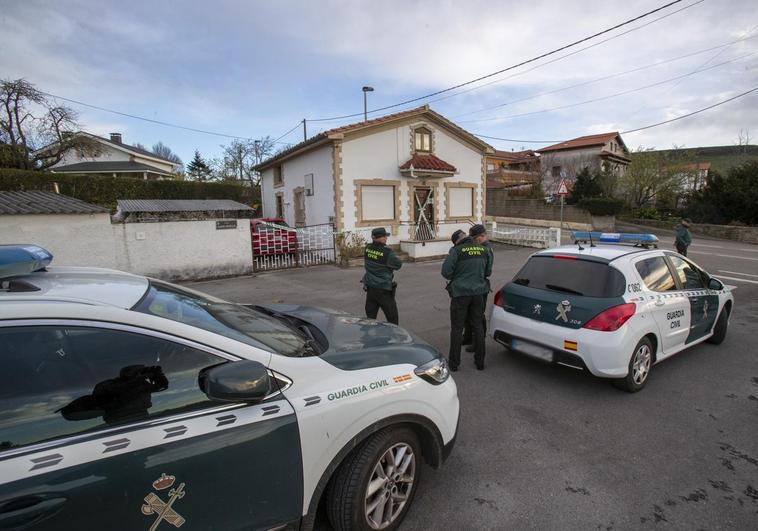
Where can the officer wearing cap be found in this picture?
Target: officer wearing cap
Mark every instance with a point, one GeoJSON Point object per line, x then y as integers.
{"type": "Point", "coordinates": [479, 234]}
{"type": "Point", "coordinates": [380, 263]}
{"type": "Point", "coordinates": [467, 267]}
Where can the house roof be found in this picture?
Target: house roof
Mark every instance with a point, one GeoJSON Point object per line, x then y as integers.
{"type": "Point", "coordinates": [618, 155]}
{"type": "Point", "coordinates": [583, 141]}
{"type": "Point", "coordinates": [514, 156]}
{"type": "Point", "coordinates": [429, 162]}
{"type": "Point", "coordinates": [495, 184]}
{"type": "Point", "coordinates": [337, 132]}
{"type": "Point", "coordinates": [120, 166]}
{"type": "Point", "coordinates": [43, 202]}
{"type": "Point", "coordinates": [118, 145]}
{"type": "Point", "coordinates": [127, 206]}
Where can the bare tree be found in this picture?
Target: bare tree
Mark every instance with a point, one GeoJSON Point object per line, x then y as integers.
{"type": "Point", "coordinates": [743, 140]}
{"type": "Point", "coordinates": [240, 158]}
{"type": "Point", "coordinates": [649, 177]}
{"type": "Point", "coordinates": [165, 152]}
{"type": "Point", "coordinates": [36, 132]}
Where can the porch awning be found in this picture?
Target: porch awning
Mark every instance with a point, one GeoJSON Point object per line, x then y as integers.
{"type": "Point", "coordinates": [427, 165]}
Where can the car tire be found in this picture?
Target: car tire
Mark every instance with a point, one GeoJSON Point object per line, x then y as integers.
{"type": "Point", "coordinates": [720, 328]}
{"type": "Point", "coordinates": [640, 364]}
{"type": "Point", "coordinates": [373, 465]}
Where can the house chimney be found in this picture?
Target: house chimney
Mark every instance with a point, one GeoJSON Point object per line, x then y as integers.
{"type": "Point", "coordinates": [116, 137]}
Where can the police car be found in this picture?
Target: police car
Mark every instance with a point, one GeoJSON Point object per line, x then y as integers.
{"type": "Point", "coordinates": [609, 308]}
{"type": "Point", "coordinates": [131, 403]}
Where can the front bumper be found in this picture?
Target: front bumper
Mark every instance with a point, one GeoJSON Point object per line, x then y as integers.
{"type": "Point", "coordinates": [448, 448]}
{"type": "Point", "coordinates": [604, 354]}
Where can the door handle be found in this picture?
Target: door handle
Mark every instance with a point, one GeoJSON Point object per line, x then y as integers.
{"type": "Point", "coordinates": [660, 302]}
{"type": "Point", "coordinates": [26, 510]}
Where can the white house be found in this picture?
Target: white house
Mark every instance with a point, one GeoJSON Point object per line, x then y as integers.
{"type": "Point", "coordinates": [113, 157]}
{"type": "Point", "coordinates": [415, 173]}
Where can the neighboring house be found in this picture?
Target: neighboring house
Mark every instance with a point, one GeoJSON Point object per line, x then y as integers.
{"type": "Point", "coordinates": [565, 160]}
{"type": "Point", "coordinates": [694, 176]}
{"type": "Point", "coordinates": [514, 167]}
{"type": "Point", "coordinates": [117, 159]}
{"type": "Point", "coordinates": [414, 172]}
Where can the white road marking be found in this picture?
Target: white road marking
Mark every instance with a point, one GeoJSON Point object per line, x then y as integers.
{"type": "Point", "coordinates": [749, 250]}
{"type": "Point", "coordinates": [738, 273]}
{"type": "Point", "coordinates": [704, 245]}
{"type": "Point", "coordinates": [739, 279]}
{"type": "Point", "coordinates": [726, 255]}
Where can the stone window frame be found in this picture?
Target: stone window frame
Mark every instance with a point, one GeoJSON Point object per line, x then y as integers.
{"type": "Point", "coordinates": [358, 185]}
{"type": "Point", "coordinates": [460, 184]}
{"type": "Point", "coordinates": [418, 125]}
{"type": "Point", "coordinates": [278, 176]}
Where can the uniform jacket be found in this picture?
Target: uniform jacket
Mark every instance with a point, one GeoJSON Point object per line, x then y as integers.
{"type": "Point", "coordinates": [468, 267]}
{"type": "Point", "coordinates": [380, 263]}
{"type": "Point", "coordinates": [683, 238]}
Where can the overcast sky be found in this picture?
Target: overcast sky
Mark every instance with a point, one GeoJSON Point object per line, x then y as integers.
{"type": "Point", "coordinates": [257, 68]}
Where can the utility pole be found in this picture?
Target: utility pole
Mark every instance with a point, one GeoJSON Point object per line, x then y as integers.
{"type": "Point", "coordinates": [365, 102]}
{"type": "Point", "coordinates": [305, 131]}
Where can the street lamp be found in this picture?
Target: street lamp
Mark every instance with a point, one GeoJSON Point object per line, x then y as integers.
{"type": "Point", "coordinates": [365, 111]}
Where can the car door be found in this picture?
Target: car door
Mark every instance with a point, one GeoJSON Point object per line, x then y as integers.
{"type": "Point", "coordinates": [105, 427]}
{"type": "Point", "coordinates": [704, 305]}
{"type": "Point", "coordinates": [664, 301]}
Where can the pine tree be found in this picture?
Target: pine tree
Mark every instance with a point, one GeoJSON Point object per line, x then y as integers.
{"type": "Point", "coordinates": [198, 169]}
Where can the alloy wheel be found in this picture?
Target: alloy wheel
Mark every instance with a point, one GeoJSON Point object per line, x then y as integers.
{"type": "Point", "coordinates": [390, 486]}
{"type": "Point", "coordinates": [641, 364]}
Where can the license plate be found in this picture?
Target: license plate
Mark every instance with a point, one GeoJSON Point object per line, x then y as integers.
{"type": "Point", "coordinates": [536, 351]}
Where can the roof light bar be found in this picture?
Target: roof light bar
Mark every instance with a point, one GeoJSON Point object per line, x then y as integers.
{"type": "Point", "coordinates": [18, 260]}
{"type": "Point", "coordinates": [641, 240]}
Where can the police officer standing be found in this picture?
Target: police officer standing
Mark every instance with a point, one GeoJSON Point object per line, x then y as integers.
{"type": "Point", "coordinates": [380, 263]}
{"type": "Point", "coordinates": [479, 234]}
{"type": "Point", "coordinates": [683, 238]}
{"type": "Point", "coordinates": [467, 267]}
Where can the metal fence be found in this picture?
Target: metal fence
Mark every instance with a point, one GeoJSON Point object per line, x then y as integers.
{"type": "Point", "coordinates": [541, 237]}
{"type": "Point", "coordinates": [279, 247]}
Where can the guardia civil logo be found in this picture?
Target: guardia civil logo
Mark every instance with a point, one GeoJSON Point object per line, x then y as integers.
{"type": "Point", "coordinates": [164, 509]}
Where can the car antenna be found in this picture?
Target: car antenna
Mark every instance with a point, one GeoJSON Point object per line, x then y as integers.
{"type": "Point", "coordinates": [579, 244]}
{"type": "Point", "coordinates": [591, 244]}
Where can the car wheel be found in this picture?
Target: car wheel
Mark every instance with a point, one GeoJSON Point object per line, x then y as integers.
{"type": "Point", "coordinates": [719, 330]}
{"type": "Point", "coordinates": [374, 486]}
{"type": "Point", "coordinates": [639, 367]}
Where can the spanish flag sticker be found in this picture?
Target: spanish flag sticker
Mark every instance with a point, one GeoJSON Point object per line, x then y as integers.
{"type": "Point", "coordinates": [570, 345]}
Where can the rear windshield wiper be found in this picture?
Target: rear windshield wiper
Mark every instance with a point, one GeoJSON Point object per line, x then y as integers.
{"type": "Point", "coordinates": [521, 281]}
{"type": "Point", "coordinates": [561, 288]}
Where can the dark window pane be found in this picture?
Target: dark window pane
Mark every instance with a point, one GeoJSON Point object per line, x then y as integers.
{"type": "Point", "coordinates": [689, 275]}
{"type": "Point", "coordinates": [656, 274]}
{"type": "Point", "coordinates": [59, 381]}
{"type": "Point", "coordinates": [582, 277]}
{"type": "Point", "coordinates": [230, 320]}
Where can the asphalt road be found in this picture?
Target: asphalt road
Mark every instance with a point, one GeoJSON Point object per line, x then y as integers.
{"type": "Point", "coordinates": [547, 447]}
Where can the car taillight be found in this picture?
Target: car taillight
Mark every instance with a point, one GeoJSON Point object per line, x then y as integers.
{"type": "Point", "coordinates": [499, 298]}
{"type": "Point", "coordinates": [611, 319]}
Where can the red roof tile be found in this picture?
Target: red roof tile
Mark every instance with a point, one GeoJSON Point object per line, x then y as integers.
{"type": "Point", "coordinates": [429, 162]}
{"type": "Point", "coordinates": [514, 156]}
{"type": "Point", "coordinates": [582, 141]}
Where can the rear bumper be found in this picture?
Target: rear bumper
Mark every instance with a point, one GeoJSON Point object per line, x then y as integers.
{"type": "Point", "coordinates": [604, 354]}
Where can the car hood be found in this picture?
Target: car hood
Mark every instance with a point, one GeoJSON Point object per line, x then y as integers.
{"type": "Point", "coordinates": [357, 342]}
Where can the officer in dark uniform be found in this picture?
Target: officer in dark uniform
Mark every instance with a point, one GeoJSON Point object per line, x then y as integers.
{"type": "Point", "coordinates": [380, 263]}
{"type": "Point", "coordinates": [479, 234]}
{"type": "Point", "coordinates": [468, 267]}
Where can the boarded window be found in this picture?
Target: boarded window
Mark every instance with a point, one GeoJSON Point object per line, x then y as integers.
{"type": "Point", "coordinates": [461, 202]}
{"type": "Point", "coordinates": [377, 203]}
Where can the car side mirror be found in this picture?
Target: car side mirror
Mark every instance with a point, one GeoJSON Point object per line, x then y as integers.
{"type": "Point", "coordinates": [238, 381]}
{"type": "Point", "coordinates": [715, 284]}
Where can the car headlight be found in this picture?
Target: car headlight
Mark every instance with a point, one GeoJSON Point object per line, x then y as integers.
{"type": "Point", "coordinates": [435, 372]}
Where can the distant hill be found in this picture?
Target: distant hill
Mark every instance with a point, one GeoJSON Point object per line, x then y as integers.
{"type": "Point", "coordinates": [721, 157]}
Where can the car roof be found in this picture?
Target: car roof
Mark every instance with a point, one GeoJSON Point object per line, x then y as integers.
{"type": "Point", "coordinates": [600, 252]}
{"type": "Point", "coordinates": [88, 285]}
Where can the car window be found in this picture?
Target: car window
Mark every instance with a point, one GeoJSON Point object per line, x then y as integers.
{"type": "Point", "coordinates": [581, 277]}
{"type": "Point", "coordinates": [235, 321]}
{"type": "Point", "coordinates": [60, 381]}
{"type": "Point", "coordinates": [656, 274]}
{"type": "Point", "coordinates": [689, 275]}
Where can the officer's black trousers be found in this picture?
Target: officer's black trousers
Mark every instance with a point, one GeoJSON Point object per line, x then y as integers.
{"type": "Point", "coordinates": [381, 298]}
{"type": "Point", "coordinates": [468, 338]}
{"type": "Point", "coordinates": [463, 310]}
{"type": "Point", "coordinates": [681, 249]}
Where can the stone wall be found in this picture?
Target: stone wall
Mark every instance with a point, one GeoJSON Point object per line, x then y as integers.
{"type": "Point", "coordinates": [726, 232]}
{"type": "Point", "coordinates": [499, 204]}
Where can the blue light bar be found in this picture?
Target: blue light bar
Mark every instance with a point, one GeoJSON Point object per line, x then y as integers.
{"type": "Point", "coordinates": [18, 260]}
{"type": "Point", "coordinates": [615, 237]}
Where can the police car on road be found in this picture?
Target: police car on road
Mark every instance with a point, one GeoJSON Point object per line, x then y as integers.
{"type": "Point", "coordinates": [131, 403]}
{"type": "Point", "coordinates": [614, 310]}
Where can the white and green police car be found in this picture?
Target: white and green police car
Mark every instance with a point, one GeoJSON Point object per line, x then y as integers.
{"type": "Point", "coordinates": [614, 310]}
{"type": "Point", "coordinates": [130, 403]}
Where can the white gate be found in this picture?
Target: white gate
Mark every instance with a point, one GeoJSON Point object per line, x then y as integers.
{"type": "Point", "coordinates": [541, 237]}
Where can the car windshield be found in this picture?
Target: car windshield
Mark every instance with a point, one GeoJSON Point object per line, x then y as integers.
{"type": "Point", "coordinates": [577, 277]}
{"type": "Point", "coordinates": [224, 318]}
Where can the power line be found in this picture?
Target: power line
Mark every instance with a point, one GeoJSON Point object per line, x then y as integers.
{"type": "Point", "coordinates": [298, 124]}
{"type": "Point", "coordinates": [722, 47]}
{"type": "Point", "coordinates": [629, 130]}
{"type": "Point", "coordinates": [609, 96]}
{"type": "Point", "coordinates": [522, 63]}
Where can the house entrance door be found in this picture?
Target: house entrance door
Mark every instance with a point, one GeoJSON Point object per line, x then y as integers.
{"type": "Point", "coordinates": [299, 198]}
{"type": "Point", "coordinates": [423, 213]}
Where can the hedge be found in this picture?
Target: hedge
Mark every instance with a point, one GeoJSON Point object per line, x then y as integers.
{"type": "Point", "coordinates": [601, 206]}
{"type": "Point", "coordinates": [106, 190]}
